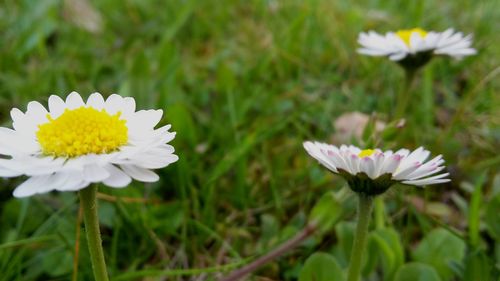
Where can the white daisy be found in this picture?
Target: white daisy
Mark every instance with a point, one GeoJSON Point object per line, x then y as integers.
{"type": "Point", "coordinates": [416, 43]}
{"type": "Point", "coordinates": [74, 144]}
{"type": "Point", "coordinates": [373, 171]}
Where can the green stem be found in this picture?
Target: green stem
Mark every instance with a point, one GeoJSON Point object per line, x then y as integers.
{"type": "Point", "coordinates": [365, 204]}
{"type": "Point", "coordinates": [379, 213]}
{"type": "Point", "coordinates": [404, 96]}
{"type": "Point", "coordinates": [89, 205]}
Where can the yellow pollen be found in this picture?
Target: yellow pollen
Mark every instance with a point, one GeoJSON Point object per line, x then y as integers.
{"type": "Point", "coordinates": [405, 34]}
{"type": "Point", "coordinates": [82, 131]}
{"type": "Point", "coordinates": [366, 153]}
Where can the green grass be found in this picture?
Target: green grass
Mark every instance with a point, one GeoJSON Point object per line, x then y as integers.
{"type": "Point", "coordinates": [243, 84]}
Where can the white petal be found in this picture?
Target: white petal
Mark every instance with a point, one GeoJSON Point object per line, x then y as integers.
{"type": "Point", "coordinates": [12, 143]}
{"type": "Point", "coordinates": [144, 120]}
{"type": "Point", "coordinates": [16, 114]}
{"type": "Point", "coordinates": [429, 168]}
{"type": "Point", "coordinates": [368, 167]}
{"type": "Point", "coordinates": [374, 44]}
{"type": "Point", "coordinates": [128, 106]}
{"type": "Point", "coordinates": [354, 164]}
{"type": "Point", "coordinates": [114, 103]}
{"type": "Point", "coordinates": [314, 150]}
{"type": "Point", "coordinates": [417, 156]}
{"type": "Point", "coordinates": [428, 181]}
{"type": "Point", "coordinates": [151, 137]}
{"type": "Point", "coordinates": [36, 110]}
{"type": "Point", "coordinates": [455, 45]}
{"type": "Point", "coordinates": [6, 173]}
{"type": "Point", "coordinates": [378, 159]}
{"type": "Point", "coordinates": [354, 149]}
{"type": "Point", "coordinates": [422, 156]}
{"type": "Point", "coordinates": [403, 152]}
{"type": "Point", "coordinates": [154, 161]}
{"type": "Point", "coordinates": [74, 100]}
{"type": "Point", "coordinates": [401, 174]}
{"type": "Point", "coordinates": [23, 124]}
{"type": "Point", "coordinates": [425, 172]}
{"type": "Point", "coordinates": [398, 56]}
{"type": "Point", "coordinates": [33, 165]}
{"type": "Point", "coordinates": [373, 52]}
{"type": "Point", "coordinates": [95, 173]}
{"type": "Point", "coordinates": [56, 106]}
{"type": "Point", "coordinates": [33, 185]}
{"type": "Point", "coordinates": [416, 42]}
{"type": "Point", "coordinates": [391, 163]}
{"type": "Point", "coordinates": [337, 160]}
{"type": "Point", "coordinates": [73, 185]}
{"type": "Point", "coordinates": [66, 181]}
{"type": "Point", "coordinates": [117, 177]}
{"type": "Point", "coordinates": [96, 101]}
{"type": "Point", "coordinates": [140, 174]}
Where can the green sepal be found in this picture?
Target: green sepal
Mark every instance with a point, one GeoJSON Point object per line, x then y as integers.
{"type": "Point", "coordinates": [362, 183]}
{"type": "Point", "coordinates": [413, 62]}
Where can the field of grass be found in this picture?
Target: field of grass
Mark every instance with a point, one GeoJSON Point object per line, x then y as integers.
{"type": "Point", "coordinates": [243, 84]}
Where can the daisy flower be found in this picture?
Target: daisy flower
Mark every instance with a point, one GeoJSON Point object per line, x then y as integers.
{"type": "Point", "coordinates": [75, 143]}
{"type": "Point", "coordinates": [372, 171]}
{"type": "Point", "coordinates": [415, 47]}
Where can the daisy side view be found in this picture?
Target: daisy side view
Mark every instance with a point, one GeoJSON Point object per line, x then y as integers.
{"type": "Point", "coordinates": [412, 49]}
{"type": "Point", "coordinates": [371, 172]}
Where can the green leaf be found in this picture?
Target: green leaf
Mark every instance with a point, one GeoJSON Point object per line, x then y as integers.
{"type": "Point", "coordinates": [138, 73]}
{"type": "Point", "coordinates": [107, 213]}
{"type": "Point", "coordinates": [385, 246]}
{"type": "Point", "coordinates": [182, 16]}
{"type": "Point", "coordinates": [326, 212]}
{"type": "Point", "coordinates": [28, 242]}
{"type": "Point", "coordinates": [415, 271]}
{"type": "Point", "coordinates": [439, 248]}
{"type": "Point", "coordinates": [57, 262]}
{"type": "Point", "coordinates": [182, 120]}
{"type": "Point", "coordinates": [345, 236]}
{"type": "Point", "coordinates": [321, 267]}
{"type": "Point", "coordinates": [475, 209]}
{"type": "Point", "coordinates": [478, 266]}
{"type": "Point", "coordinates": [491, 217]}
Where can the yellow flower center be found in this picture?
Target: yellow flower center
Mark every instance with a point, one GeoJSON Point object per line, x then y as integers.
{"type": "Point", "coordinates": [405, 34]}
{"type": "Point", "coordinates": [366, 153]}
{"type": "Point", "coordinates": [82, 131]}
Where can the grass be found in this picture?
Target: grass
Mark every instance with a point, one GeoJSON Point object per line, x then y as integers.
{"type": "Point", "coordinates": [244, 83]}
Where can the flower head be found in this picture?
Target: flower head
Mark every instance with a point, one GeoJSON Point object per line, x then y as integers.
{"type": "Point", "coordinates": [415, 47]}
{"type": "Point", "coordinates": [373, 171]}
{"type": "Point", "coordinates": [75, 143]}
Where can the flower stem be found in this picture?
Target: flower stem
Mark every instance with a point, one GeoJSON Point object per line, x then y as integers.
{"type": "Point", "coordinates": [404, 96]}
{"type": "Point", "coordinates": [365, 204]}
{"type": "Point", "coordinates": [379, 213]}
{"type": "Point", "coordinates": [89, 205]}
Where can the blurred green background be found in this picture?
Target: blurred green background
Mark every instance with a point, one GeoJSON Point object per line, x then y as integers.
{"type": "Point", "coordinates": [243, 84]}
